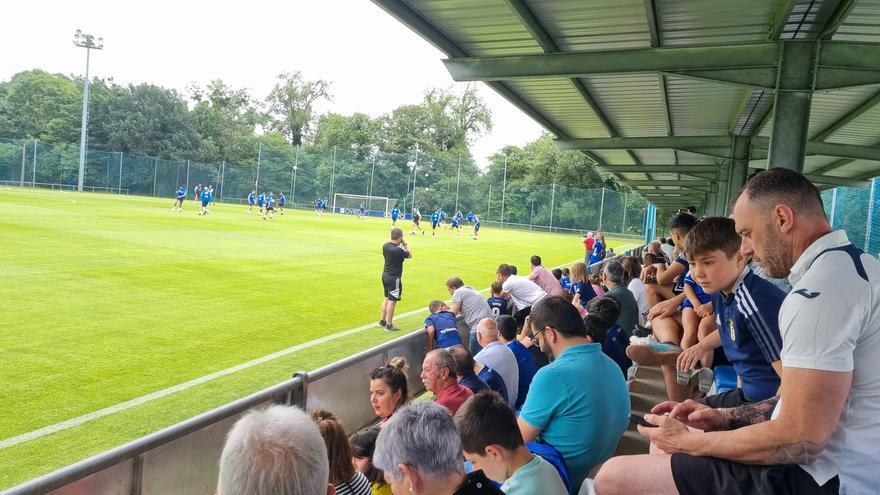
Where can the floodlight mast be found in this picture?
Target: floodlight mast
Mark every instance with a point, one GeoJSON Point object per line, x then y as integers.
{"type": "Point", "coordinates": [88, 42]}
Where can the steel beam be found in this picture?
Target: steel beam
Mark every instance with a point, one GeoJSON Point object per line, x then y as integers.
{"type": "Point", "coordinates": [662, 169]}
{"type": "Point", "coordinates": [836, 164]}
{"type": "Point", "coordinates": [835, 181]}
{"type": "Point", "coordinates": [739, 167]}
{"type": "Point", "coordinates": [849, 117]}
{"type": "Point", "coordinates": [791, 107]}
{"type": "Point", "coordinates": [719, 62]}
{"type": "Point", "coordinates": [829, 149]}
{"type": "Point", "coordinates": [667, 183]}
{"type": "Point", "coordinates": [780, 19]}
{"type": "Point", "coordinates": [647, 142]}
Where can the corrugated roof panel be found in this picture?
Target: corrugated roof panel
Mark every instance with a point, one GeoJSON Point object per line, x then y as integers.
{"type": "Point", "coordinates": [815, 162]}
{"type": "Point", "coordinates": [631, 102]}
{"type": "Point", "coordinates": [862, 23]}
{"type": "Point", "coordinates": [864, 131]}
{"type": "Point", "coordinates": [712, 22]}
{"type": "Point", "coordinates": [656, 157]}
{"type": "Point", "coordinates": [688, 158]}
{"type": "Point", "coordinates": [830, 106]}
{"type": "Point", "coordinates": [701, 108]}
{"type": "Point", "coordinates": [562, 104]}
{"type": "Point", "coordinates": [614, 157]}
{"type": "Point", "coordinates": [484, 28]}
{"type": "Point", "coordinates": [858, 168]}
{"type": "Point", "coordinates": [594, 24]}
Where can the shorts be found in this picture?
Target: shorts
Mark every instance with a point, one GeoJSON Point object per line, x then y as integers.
{"type": "Point", "coordinates": [270, 208]}
{"type": "Point", "coordinates": [416, 220]}
{"type": "Point", "coordinates": [710, 475]}
{"type": "Point", "coordinates": [392, 286]}
{"type": "Point", "coordinates": [687, 302]}
{"type": "Point", "coordinates": [476, 228]}
{"type": "Point", "coordinates": [731, 398]}
{"type": "Point", "coordinates": [434, 225]}
{"type": "Point", "coordinates": [520, 316]}
{"type": "Point", "coordinates": [204, 204]}
{"type": "Point", "coordinates": [393, 218]}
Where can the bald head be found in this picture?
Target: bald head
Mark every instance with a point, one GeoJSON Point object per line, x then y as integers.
{"type": "Point", "coordinates": [487, 331]}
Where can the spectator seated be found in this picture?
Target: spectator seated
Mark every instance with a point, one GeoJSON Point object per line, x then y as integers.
{"type": "Point", "coordinates": [345, 479]}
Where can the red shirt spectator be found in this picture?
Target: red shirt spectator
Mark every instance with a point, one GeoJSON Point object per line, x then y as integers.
{"type": "Point", "coordinates": [453, 396]}
{"type": "Point", "coordinates": [589, 241]}
{"type": "Point", "coordinates": [439, 376]}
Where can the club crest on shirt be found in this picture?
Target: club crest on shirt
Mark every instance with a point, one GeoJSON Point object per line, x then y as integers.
{"type": "Point", "coordinates": [732, 331]}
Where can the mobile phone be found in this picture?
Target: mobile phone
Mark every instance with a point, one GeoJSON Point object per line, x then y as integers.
{"type": "Point", "coordinates": [638, 420]}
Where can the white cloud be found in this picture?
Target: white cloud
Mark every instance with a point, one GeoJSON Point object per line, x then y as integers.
{"type": "Point", "coordinates": [374, 62]}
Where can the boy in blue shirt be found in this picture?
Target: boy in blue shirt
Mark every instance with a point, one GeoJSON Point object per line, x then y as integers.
{"type": "Point", "coordinates": [747, 316]}
{"type": "Point", "coordinates": [601, 325]}
{"type": "Point", "coordinates": [497, 304]}
{"type": "Point", "coordinates": [281, 201]}
{"type": "Point", "coordinates": [179, 196]}
{"type": "Point", "coordinates": [435, 220]}
{"type": "Point", "coordinates": [565, 281]}
{"type": "Point", "coordinates": [206, 199]}
{"type": "Point", "coordinates": [252, 200]}
{"type": "Point", "coordinates": [441, 327]}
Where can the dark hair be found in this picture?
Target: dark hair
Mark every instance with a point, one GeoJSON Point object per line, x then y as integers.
{"type": "Point", "coordinates": [559, 314]}
{"type": "Point", "coordinates": [394, 376]}
{"type": "Point", "coordinates": [557, 273]}
{"type": "Point", "coordinates": [714, 233]}
{"type": "Point", "coordinates": [512, 269]}
{"type": "Point", "coordinates": [566, 271]}
{"type": "Point", "coordinates": [454, 282]}
{"type": "Point", "coordinates": [536, 260]}
{"type": "Point", "coordinates": [603, 313]}
{"type": "Point", "coordinates": [363, 443]}
{"type": "Point", "coordinates": [651, 258]}
{"type": "Point", "coordinates": [692, 210]}
{"type": "Point", "coordinates": [506, 326]}
{"type": "Point", "coordinates": [683, 223]}
{"type": "Point", "coordinates": [485, 419]}
{"type": "Point", "coordinates": [464, 362]}
{"type": "Point", "coordinates": [632, 266]}
{"type": "Point", "coordinates": [504, 270]}
{"type": "Point", "coordinates": [783, 186]}
{"type": "Point", "coordinates": [338, 449]}
{"type": "Point", "coordinates": [496, 287]}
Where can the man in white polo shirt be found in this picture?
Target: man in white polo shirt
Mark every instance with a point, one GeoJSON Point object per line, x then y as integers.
{"type": "Point", "coordinates": [499, 357]}
{"type": "Point", "coordinates": [522, 292]}
{"type": "Point", "coordinates": [821, 434]}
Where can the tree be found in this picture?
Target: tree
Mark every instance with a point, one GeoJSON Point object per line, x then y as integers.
{"type": "Point", "coordinates": [290, 104]}
{"type": "Point", "coordinates": [357, 133]}
{"type": "Point", "coordinates": [37, 105]}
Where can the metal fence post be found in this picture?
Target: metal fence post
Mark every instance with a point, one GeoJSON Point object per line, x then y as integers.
{"type": "Point", "coordinates": [34, 176]}
{"type": "Point", "coordinates": [833, 207]}
{"type": "Point", "coordinates": [370, 191]}
{"type": "Point", "coordinates": [870, 223]}
{"type": "Point", "coordinates": [23, 162]}
{"type": "Point", "coordinates": [155, 173]}
{"type": "Point", "coordinates": [552, 204]}
{"type": "Point", "coordinates": [120, 173]}
{"type": "Point", "coordinates": [601, 209]}
{"type": "Point", "coordinates": [458, 182]}
{"type": "Point", "coordinates": [503, 191]}
{"type": "Point", "coordinates": [107, 161]}
{"type": "Point", "coordinates": [222, 177]}
{"type": "Point", "coordinates": [489, 203]}
{"type": "Point", "coordinates": [293, 170]}
{"type": "Point", "coordinates": [187, 173]}
{"type": "Point", "coordinates": [623, 226]}
{"type": "Point", "coordinates": [333, 176]}
{"type": "Point", "coordinates": [259, 159]}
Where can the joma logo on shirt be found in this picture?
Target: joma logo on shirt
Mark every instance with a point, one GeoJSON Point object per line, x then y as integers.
{"type": "Point", "coordinates": [806, 293]}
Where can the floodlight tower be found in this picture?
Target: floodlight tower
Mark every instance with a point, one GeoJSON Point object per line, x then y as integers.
{"type": "Point", "coordinates": [88, 42]}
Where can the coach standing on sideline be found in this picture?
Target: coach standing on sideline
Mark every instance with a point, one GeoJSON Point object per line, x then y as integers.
{"type": "Point", "coordinates": [395, 251]}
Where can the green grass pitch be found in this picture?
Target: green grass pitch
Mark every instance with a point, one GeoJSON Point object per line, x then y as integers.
{"type": "Point", "coordinates": [109, 298]}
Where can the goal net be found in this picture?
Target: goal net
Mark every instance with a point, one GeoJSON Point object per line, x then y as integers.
{"type": "Point", "coordinates": [351, 203]}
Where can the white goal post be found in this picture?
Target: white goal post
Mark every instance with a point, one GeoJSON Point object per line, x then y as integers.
{"type": "Point", "coordinates": [351, 203]}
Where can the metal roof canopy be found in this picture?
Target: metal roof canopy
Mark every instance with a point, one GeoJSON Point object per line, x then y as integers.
{"type": "Point", "coordinates": [702, 90]}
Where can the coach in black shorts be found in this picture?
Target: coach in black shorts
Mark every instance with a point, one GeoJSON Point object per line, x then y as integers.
{"type": "Point", "coordinates": [395, 251]}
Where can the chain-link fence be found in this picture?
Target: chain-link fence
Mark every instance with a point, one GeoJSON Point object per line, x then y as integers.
{"type": "Point", "coordinates": [856, 211]}
{"type": "Point", "coordinates": [306, 173]}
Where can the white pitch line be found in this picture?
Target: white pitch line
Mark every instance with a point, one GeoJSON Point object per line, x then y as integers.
{"type": "Point", "coordinates": [70, 423]}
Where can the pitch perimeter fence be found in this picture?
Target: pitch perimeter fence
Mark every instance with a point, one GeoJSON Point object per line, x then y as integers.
{"type": "Point", "coordinates": [305, 173]}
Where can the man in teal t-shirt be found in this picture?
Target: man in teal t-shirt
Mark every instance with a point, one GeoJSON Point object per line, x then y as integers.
{"type": "Point", "coordinates": [578, 403]}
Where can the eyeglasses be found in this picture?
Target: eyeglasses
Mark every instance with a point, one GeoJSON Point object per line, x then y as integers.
{"type": "Point", "coordinates": [534, 337]}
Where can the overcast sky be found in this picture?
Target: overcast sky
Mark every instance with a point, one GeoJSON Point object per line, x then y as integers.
{"type": "Point", "coordinates": [373, 61]}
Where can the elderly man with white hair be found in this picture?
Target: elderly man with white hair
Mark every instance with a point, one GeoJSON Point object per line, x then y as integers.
{"type": "Point", "coordinates": [498, 357]}
{"type": "Point", "coordinates": [419, 449]}
{"type": "Point", "coordinates": [274, 451]}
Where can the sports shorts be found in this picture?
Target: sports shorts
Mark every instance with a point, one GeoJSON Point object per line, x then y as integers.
{"type": "Point", "coordinates": [392, 286]}
{"type": "Point", "coordinates": [710, 475]}
{"type": "Point", "coordinates": [205, 203]}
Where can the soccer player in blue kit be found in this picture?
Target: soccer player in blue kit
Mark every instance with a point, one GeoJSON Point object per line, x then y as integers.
{"type": "Point", "coordinates": [206, 199]}
{"type": "Point", "coordinates": [261, 199]}
{"type": "Point", "coordinates": [395, 213]}
{"type": "Point", "coordinates": [456, 224]}
{"type": "Point", "coordinates": [362, 211]}
{"type": "Point", "coordinates": [252, 200]}
{"type": "Point", "coordinates": [470, 218]}
{"type": "Point", "coordinates": [435, 220]}
{"type": "Point", "coordinates": [269, 202]}
{"type": "Point", "coordinates": [476, 227]}
{"type": "Point", "coordinates": [179, 196]}
{"type": "Point", "coordinates": [281, 201]}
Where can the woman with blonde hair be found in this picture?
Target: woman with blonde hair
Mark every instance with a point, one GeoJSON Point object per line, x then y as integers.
{"type": "Point", "coordinates": [581, 288]}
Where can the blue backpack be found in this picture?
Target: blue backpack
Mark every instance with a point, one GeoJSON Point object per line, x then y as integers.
{"type": "Point", "coordinates": [551, 455]}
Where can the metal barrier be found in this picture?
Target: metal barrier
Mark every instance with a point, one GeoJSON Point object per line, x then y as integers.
{"type": "Point", "coordinates": [62, 187]}
{"type": "Point", "coordinates": [183, 458]}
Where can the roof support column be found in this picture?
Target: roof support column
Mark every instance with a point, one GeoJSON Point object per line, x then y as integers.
{"type": "Point", "coordinates": [791, 106]}
{"type": "Point", "coordinates": [739, 167]}
{"type": "Point", "coordinates": [721, 192]}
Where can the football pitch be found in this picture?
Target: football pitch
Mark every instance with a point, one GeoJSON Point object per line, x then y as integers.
{"type": "Point", "coordinates": [107, 299]}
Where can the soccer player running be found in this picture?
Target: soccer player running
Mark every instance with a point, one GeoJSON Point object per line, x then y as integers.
{"type": "Point", "coordinates": [476, 227]}
{"type": "Point", "coordinates": [179, 196]}
{"type": "Point", "coordinates": [416, 219]}
{"type": "Point", "coordinates": [197, 193]}
{"type": "Point", "coordinates": [206, 200]}
{"type": "Point", "coordinates": [470, 218]}
{"type": "Point", "coordinates": [395, 213]}
{"type": "Point", "coordinates": [435, 220]}
{"type": "Point", "coordinates": [456, 224]}
{"type": "Point", "coordinates": [362, 211]}
{"type": "Point", "coordinates": [252, 200]}
{"type": "Point", "coordinates": [261, 198]}
{"type": "Point", "coordinates": [394, 251]}
{"type": "Point", "coordinates": [270, 206]}
{"type": "Point", "coordinates": [281, 201]}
